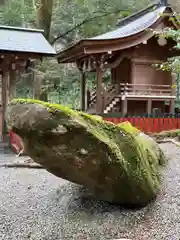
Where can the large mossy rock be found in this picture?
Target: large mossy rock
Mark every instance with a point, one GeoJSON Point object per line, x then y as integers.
{"type": "Point", "coordinates": [117, 163]}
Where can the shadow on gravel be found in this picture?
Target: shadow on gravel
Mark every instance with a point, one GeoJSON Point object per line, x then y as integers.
{"type": "Point", "coordinates": [80, 209]}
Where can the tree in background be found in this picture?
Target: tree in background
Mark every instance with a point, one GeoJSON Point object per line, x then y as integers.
{"type": "Point", "coordinates": [173, 63]}
{"type": "Point", "coordinates": [43, 9]}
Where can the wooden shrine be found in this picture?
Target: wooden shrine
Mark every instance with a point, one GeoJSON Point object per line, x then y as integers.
{"type": "Point", "coordinates": [18, 46]}
{"type": "Point", "coordinates": [129, 52]}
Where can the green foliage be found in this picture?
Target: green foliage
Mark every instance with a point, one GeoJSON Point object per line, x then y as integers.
{"type": "Point", "coordinates": [173, 63]}
{"type": "Point", "coordinates": [17, 13]}
{"type": "Point", "coordinates": [68, 14]}
{"type": "Point", "coordinates": [167, 134]}
{"type": "Point", "coordinates": [10, 14]}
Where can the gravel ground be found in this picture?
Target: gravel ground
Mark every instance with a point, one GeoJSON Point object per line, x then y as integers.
{"type": "Point", "coordinates": [36, 205]}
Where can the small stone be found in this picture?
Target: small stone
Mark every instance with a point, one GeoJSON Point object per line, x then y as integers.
{"type": "Point", "coordinates": [83, 151]}
{"type": "Point", "coordinates": [29, 235]}
{"type": "Point", "coordinates": [60, 129]}
{"type": "Point", "coordinates": [62, 147]}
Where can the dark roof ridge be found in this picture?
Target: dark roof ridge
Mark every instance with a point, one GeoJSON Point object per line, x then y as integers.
{"type": "Point", "coordinates": [20, 29]}
{"type": "Point", "coordinates": [138, 14]}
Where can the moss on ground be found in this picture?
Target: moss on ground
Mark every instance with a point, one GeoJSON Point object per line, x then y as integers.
{"type": "Point", "coordinates": [167, 134]}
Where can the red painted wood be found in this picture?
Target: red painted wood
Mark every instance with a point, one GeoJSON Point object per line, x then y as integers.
{"type": "Point", "coordinates": [178, 120]}
{"type": "Point", "coordinates": [150, 125]}
{"type": "Point", "coordinates": [16, 142]}
{"type": "Point", "coordinates": [171, 124]}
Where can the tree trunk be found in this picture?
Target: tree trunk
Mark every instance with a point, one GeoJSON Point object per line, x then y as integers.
{"type": "Point", "coordinates": [43, 21]}
{"type": "Point", "coordinates": [38, 79]}
{"type": "Point", "coordinates": [44, 16]}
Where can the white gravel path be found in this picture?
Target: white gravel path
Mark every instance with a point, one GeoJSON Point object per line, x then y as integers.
{"type": "Point", "coordinates": [36, 205]}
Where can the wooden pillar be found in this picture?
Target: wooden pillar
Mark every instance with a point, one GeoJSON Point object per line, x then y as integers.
{"type": "Point", "coordinates": [4, 103]}
{"type": "Point", "coordinates": [173, 93]}
{"type": "Point", "coordinates": [124, 106]}
{"type": "Point", "coordinates": [88, 98]}
{"type": "Point", "coordinates": [99, 97]}
{"type": "Point", "coordinates": [12, 85]}
{"type": "Point", "coordinates": [149, 106]}
{"type": "Point", "coordinates": [83, 91]}
{"type": "Point", "coordinates": [172, 106]}
{"type": "Point", "coordinates": [173, 89]}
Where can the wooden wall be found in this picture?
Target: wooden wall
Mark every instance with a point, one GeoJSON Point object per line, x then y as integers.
{"type": "Point", "coordinates": [144, 56]}
{"type": "Point", "coordinates": [139, 70]}
{"type": "Point", "coordinates": [122, 73]}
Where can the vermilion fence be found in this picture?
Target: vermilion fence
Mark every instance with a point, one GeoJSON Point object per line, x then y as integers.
{"type": "Point", "coordinates": [149, 124]}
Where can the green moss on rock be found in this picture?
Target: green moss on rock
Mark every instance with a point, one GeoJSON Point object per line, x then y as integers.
{"type": "Point", "coordinates": [167, 134]}
{"type": "Point", "coordinates": [127, 126]}
{"type": "Point", "coordinates": [117, 163]}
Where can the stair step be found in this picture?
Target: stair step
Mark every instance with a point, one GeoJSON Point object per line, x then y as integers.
{"type": "Point", "coordinates": [111, 105]}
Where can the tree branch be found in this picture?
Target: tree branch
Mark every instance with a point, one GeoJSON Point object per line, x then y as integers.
{"type": "Point", "coordinates": [36, 5]}
{"type": "Point", "coordinates": [21, 165]}
{"type": "Point", "coordinates": [87, 20]}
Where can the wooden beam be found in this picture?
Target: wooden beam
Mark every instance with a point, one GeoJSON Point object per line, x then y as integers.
{"type": "Point", "coordinates": [145, 98]}
{"type": "Point", "coordinates": [11, 63]}
{"type": "Point", "coordinates": [154, 97]}
{"type": "Point", "coordinates": [22, 55]}
{"type": "Point", "coordinates": [83, 91]}
{"type": "Point", "coordinates": [145, 61]}
{"type": "Point", "coordinates": [121, 45]}
{"type": "Point", "coordinates": [117, 61]}
{"type": "Point", "coordinates": [4, 103]}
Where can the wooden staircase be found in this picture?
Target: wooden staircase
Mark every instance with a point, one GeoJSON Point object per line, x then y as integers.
{"type": "Point", "coordinates": [112, 105]}
{"type": "Point", "coordinates": [112, 95]}
{"type": "Point", "coordinates": [110, 99]}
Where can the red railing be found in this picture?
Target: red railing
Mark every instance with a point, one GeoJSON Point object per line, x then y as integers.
{"type": "Point", "coordinates": [149, 125]}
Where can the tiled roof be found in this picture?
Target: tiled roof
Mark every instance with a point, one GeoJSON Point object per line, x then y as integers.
{"type": "Point", "coordinates": [138, 23]}
{"type": "Point", "coordinates": [24, 40]}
